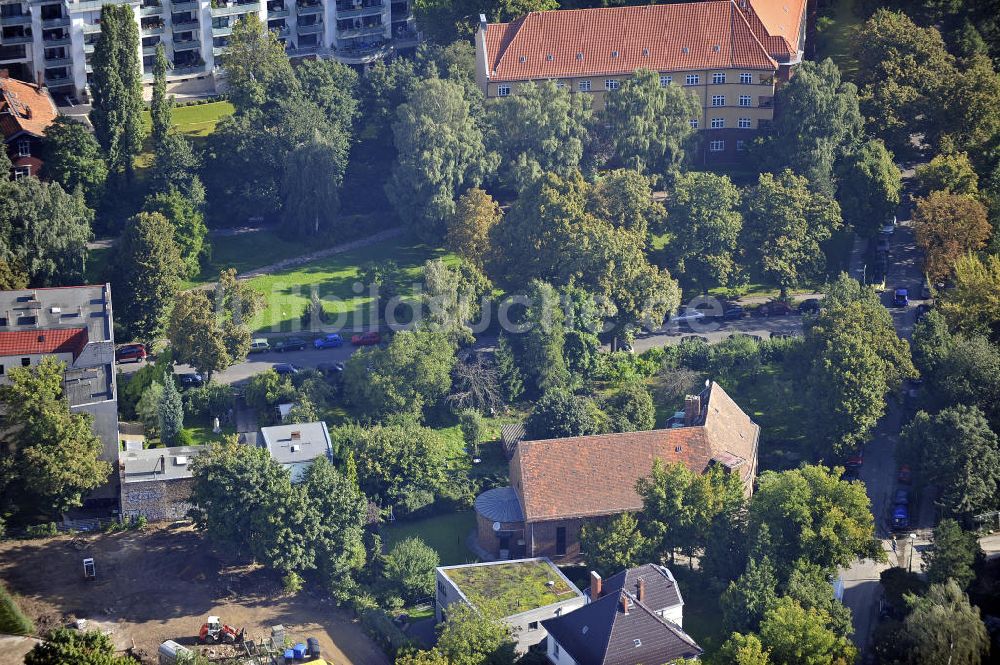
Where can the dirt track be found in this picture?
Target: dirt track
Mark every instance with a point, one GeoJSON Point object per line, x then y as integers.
{"type": "Point", "coordinates": [160, 584]}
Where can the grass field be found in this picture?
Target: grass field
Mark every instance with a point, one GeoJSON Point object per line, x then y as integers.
{"type": "Point", "coordinates": [246, 251]}
{"type": "Point", "coordinates": [835, 33]}
{"type": "Point", "coordinates": [195, 122]}
{"type": "Point", "coordinates": [445, 534]}
{"type": "Point", "coordinates": [334, 279]}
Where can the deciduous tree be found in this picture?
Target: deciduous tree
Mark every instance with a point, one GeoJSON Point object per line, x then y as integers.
{"type": "Point", "coordinates": [797, 636]}
{"type": "Point", "coordinates": [613, 544]}
{"type": "Point", "coordinates": [310, 188]}
{"type": "Point", "coordinates": [559, 413]}
{"type": "Point", "coordinates": [161, 106]}
{"type": "Point", "coordinates": [149, 269]}
{"type": "Point", "coordinates": [944, 627]}
{"type": "Point", "coordinates": [973, 305]}
{"type": "Point", "coordinates": [410, 565]}
{"type": "Point", "coordinates": [949, 226]}
{"type": "Point", "coordinates": [184, 212]}
{"type": "Point", "coordinates": [952, 555]}
{"type": "Point", "coordinates": [868, 187]}
{"type": "Point", "coordinates": [65, 645]}
{"type": "Point", "coordinates": [258, 72]}
{"type": "Point", "coordinates": [952, 173]}
{"type": "Point", "coordinates": [630, 408]}
{"type": "Point", "coordinates": [469, 228]}
{"type": "Point", "coordinates": [72, 157]}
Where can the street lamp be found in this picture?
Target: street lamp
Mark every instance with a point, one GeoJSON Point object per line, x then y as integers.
{"type": "Point", "coordinates": [913, 540]}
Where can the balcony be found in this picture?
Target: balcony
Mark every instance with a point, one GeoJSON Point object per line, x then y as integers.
{"type": "Point", "coordinates": [151, 10]}
{"type": "Point", "coordinates": [89, 48]}
{"type": "Point", "coordinates": [151, 29]}
{"type": "Point", "coordinates": [283, 31]}
{"type": "Point", "coordinates": [92, 5]}
{"type": "Point", "coordinates": [188, 69]}
{"type": "Point", "coordinates": [361, 55]}
{"type": "Point", "coordinates": [58, 80]}
{"type": "Point", "coordinates": [349, 10]}
{"type": "Point", "coordinates": [17, 39]}
{"type": "Point", "coordinates": [375, 29]}
{"type": "Point", "coordinates": [405, 37]}
{"type": "Point", "coordinates": [236, 8]}
{"type": "Point", "coordinates": [58, 22]}
{"type": "Point", "coordinates": [186, 45]}
{"type": "Point", "coordinates": [303, 50]}
{"type": "Point", "coordinates": [149, 50]}
{"type": "Point", "coordinates": [311, 29]}
{"type": "Point", "coordinates": [304, 9]}
{"type": "Point", "coordinates": [184, 6]}
{"type": "Point", "coordinates": [91, 28]}
{"type": "Point", "coordinates": [53, 41]}
{"type": "Point", "coordinates": [223, 31]}
{"type": "Point", "coordinates": [63, 61]}
{"type": "Point", "coordinates": [765, 102]}
{"type": "Point", "coordinates": [16, 19]}
{"type": "Point", "coordinates": [185, 25]}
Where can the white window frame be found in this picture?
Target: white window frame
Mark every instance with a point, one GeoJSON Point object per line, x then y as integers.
{"type": "Point", "coordinates": [741, 145]}
{"type": "Point", "coordinates": [746, 101]}
{"type": "Point", "coordinates": [746, 78]}
{"type": "Point", "coordinates": [718, 101]}
{"type": "Point", "coordinates": [503, 91]}
{"type": "Point", "coordinates": [716, 146]}
{"type": "Point", "coordinates": [584, 85]}
{"type": "Point", "coordinates": [24, 148]}
{"type": "Point", "coordinates": [611, 84]}
{"type": "Point", "coordinates": [22, 172]}
{"type": "Point", "coordinates": [744, 123]}
{"type": "Point", "coordinates": [718, 123]}
{"type": "Point", "coordinates": [692, 79]}
{"type": "Point", "coordinates": [718, 78]}
{"type": "Point", "coordinates": [665, 80]}
{"type": "Point", "coordinates": [694, 123]}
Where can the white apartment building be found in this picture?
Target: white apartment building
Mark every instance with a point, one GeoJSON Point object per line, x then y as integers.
{"type": "Point", "coordinates": [52, 41]}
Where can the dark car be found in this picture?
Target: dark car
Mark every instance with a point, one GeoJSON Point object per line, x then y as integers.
{"type": "Point", "coordinates": [733, 313]}
{"type": "Point", "coordinates": [331, 341]}
{"type": "Point", "coordinates": [330, 369]}
{"type": "Point", "coordinates": [289, 344]}
{"type": "Point", "coordinates": [809, 306]}
{"type": "Point", "coordinates": [855, 461]}
{"type": "Point", "coordinates": [191, 380]}
{"type": "Point", "coordinates": [370, 338]}
{"type": "Point", "coordinates": [136, 352]}
{"type": "Point", "coordinates": [900, 516]}
{"type": "Point", "coordinates": [902, 497]}
{"type": "Point", "coordinates": [775, 308]}
{"type": "Point", "coordinates": [286, 369]}
{"type": "Point", "coordinates": [901, 297]}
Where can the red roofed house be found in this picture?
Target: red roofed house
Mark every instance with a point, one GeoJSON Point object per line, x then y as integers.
{"type": "Point", "coordinates": [26, 111]}
{"type": "Point", "coordinates": [557, 484]}
{"type": "Point", "coordinates": [730, 53]}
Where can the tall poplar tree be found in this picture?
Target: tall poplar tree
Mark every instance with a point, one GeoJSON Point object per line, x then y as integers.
{"type": "Point", "coordinates": [161, 105]}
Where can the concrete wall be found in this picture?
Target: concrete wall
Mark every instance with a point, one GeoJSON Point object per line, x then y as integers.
{"type": "Point", "coordinates": [557, 655]}
{"type": "Point", "coordinates": [158, 500]}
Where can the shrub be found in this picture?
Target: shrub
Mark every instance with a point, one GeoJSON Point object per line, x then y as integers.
{"type": "Point", "coordinates": [184, 438]}
{"type": "Point", "coordinates": [42, 530]}
{"type": "Point", "coordinates": [292, 582]}
{"type": "Point", "coordinates": [214, 399]}
{"type": "Point", "coordinates": [410, 565]}
{"type": "Point", "coordinates": [12, 620]}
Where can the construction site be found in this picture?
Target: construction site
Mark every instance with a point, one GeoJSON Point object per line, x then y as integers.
{"type": "Point", "coordinates": [163, 590]}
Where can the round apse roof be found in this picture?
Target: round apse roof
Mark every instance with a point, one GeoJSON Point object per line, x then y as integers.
{"type": "Point", "coordinates": [500, 505]}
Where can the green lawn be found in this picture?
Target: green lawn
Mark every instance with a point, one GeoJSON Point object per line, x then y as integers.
{"type": "Point", "coordinates": [445, 534]}
{"type": "Point", "coordinates": [196, 122]}
{"type": "Point", "coordinates": [702, 613]}
{"type": "Point", "coordinates": [249, 250]}
{"type": "Point", "coordinates": [97, 265]}
{"type": "Point", "coordinates": [834, 35]}
{"type": "Point", "coordinates": [288, 293]}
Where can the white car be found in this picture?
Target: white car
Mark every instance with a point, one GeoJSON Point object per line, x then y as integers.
{"type": "Point", "coordinates": [684, 314]}
{"type": "Point", "coordinates": [889, 227]}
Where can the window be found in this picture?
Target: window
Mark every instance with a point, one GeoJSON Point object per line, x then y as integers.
{"type": "Point", "coordinates": [532, 625]}
{"type": "Point", "coordinates": [718, 78]}
{"type": "Point", "coordinates": [560, 85]}
{"type": "Point", "coordinates": [612, 84]}
{"type": "Point", "coordinates": [718, 123]}
{"type": "Point", "coordinates": [555, 648]}
{"type": "Point", "coordinates": [716, 146]}
{"type": "Point", "coordinates": [1, 370]}
{"type": "Point", "coordinates": [26, 320]}
{"type": "Point", "coordinates": [745, 100]}
{"type": "Point", "coordinates": [503, 90]}
{"type": "Point", "coordinates": [746, 77]}
{"type": "Point", "coordinates": [637, 642]}
{"type": "Point", "coordinates": [718, 100]}
{"type": "Point", "coordinates": [665, 80]}
{"type": "Point", "coordinates": [24, 148]}
{"type": "Point", "coordinates": [692, 79]}
{"type": "Point", "coordinates": [25, 362]}
{"type": "Point", "coordinates": [441, 588]}
{"type": "Point", "coordinates": [741, 146]}
{"type": "Point", "coordinates": [694, 123]}
{"type": "Point", "coordinates": [21, 172]}
{"type": "Point", "coordinates": [584, 86]}
{"type": "Point", "coordinates": [560, 540]}
{"type": "Point", "coordinates": [744, 123]}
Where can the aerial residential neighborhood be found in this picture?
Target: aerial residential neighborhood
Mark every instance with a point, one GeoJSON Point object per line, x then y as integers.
{"type": "Point", "coordinates": [560, 332]}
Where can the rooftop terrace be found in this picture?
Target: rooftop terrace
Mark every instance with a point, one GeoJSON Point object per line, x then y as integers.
{"type": "Point", "coordinates": [512, 587]}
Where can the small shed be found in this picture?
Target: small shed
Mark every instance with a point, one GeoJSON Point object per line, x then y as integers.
{"type": "Point", "coordinates": [510, 435]}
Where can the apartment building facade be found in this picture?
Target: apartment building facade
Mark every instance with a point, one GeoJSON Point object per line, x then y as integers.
{"type": "Point", "coordinates": [52, 41]}
{"type": "Point", "coordinates": [731, 54]}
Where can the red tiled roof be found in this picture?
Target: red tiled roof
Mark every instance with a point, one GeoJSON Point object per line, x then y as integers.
{"type": "Point", "coordinates": [782, 21]}
{"type": "Point", "coordinates": [587, 476]}
{"type": "Point", "coordinates": [24, 107]}
{"type": "Point", "coordinates": [583, 42]}
{"type": "Point", "coordinates": [38, 342]}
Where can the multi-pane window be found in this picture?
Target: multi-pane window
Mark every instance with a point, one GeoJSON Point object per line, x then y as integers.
{"type": "Point", "coordinates": [665, 80]}
{"type": "Point", "coordinates": [746, 77]}
{"type": "Point", "coordinates": [718, 123]}
{"type": "Point", "coordinates": [694, 123]}
{"type": "Point", "coordinates": [503, 90]}
{"type": "Point", "coordinates": [584, 86]}
{"type": "Point", "coordinates": [718, 78]}
{"type": "Point", "coordinates": [716, 146]}
{"type": "Point", "coordinates": [24, 148]}
{"type": "Point", "coordinates": [611, 84]}
{"type": "Point", "coordinates": [692, 79]}
{"type": "Point", "coordinates": [744, 123]}
{"type": "Point", "coordinates": [718, 100]}
{"type": "Point", "coordinates": [741, 146]}
{"type": "Point", "coordinates": [745, 100]}
{"type": "Point", "coordinates": [21, 172]}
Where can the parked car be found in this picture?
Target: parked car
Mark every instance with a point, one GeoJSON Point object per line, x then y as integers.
{"type": "Point", "coordinates": [889, 227]}
{"type": "Point", "coordinates": [191, 380]}
{"type": "Point", "coordinates": [734, 313]}
{"type": "Point", "coordinates": [901, 297]}
{"type": "Point", "coordinates": [289, 344]}
{"type": "Point", "coordinates": [331, 369]}
{"type": "Point", "coordinates": [901, 497]}
{"type": "Point", "coordinates": [331, 341]}
{"type": "Point", "coordinates": [900, 516]}
{"type": "Point", "coordinates": [370, 338]}
{"type": "Point", "coordinates": [259, 345]}
{"type": "Point", "coordinates": [809, 306]}
{"type": "Point", "coordinates": [686, 315]}
{"type": "Point", "coordinates": [126, 352]}
{"type": "Point", "coordinates": [286, 369]}
{"type": "Point", "coordinates": [855, 461]}
{"type": "Point", "coordinates": [904, 476]}
{"type": "Point", "coordinates": [775, 308]}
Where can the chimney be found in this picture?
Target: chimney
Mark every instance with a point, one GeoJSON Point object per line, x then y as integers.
{"type": "Point", "coordinates": [482, 23]}
{"type": "Point", "coordinates": [595, 585]}
{"type": "Point", "coordinates": [625, 603]}
{"type": "Point", "coordinates": [692, 409]}
{"type": "Point", "coordinates": [641, 591]}
{"type": "Point", "coordinates": [296, 436]}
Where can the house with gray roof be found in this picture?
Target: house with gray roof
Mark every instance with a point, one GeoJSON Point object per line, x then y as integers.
{"type": "Point", "coordinates": [633, 618]}
{"type": "Point", "coordinates": [297, 446]}
{"type": "Point", "coordinates": [156, 483]}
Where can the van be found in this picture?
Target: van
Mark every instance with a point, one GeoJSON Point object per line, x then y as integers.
{"type": "Point", "coordinates": [259, 345]}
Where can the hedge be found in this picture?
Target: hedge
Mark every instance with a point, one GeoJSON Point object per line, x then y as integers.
{"type": "Point", "coordinates": [12, 620]}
